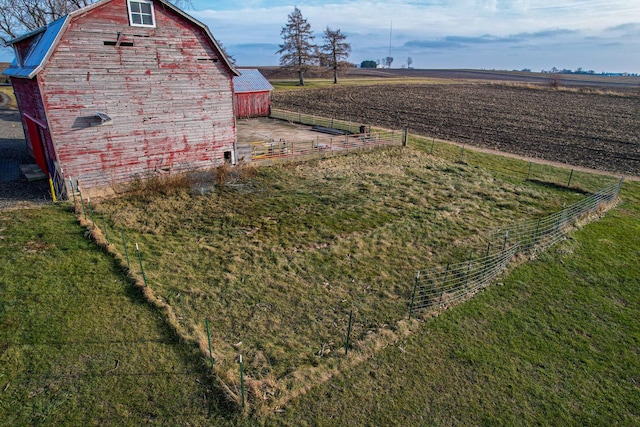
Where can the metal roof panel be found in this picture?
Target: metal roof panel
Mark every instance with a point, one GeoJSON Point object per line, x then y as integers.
{"type": "Point", "coordinates": [251, 80]}
{"type": "Point", "coordinates": [43, 42]}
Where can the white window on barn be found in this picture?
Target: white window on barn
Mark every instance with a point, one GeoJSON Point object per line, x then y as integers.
{"type": "Point", "coordinates": [141, 13]}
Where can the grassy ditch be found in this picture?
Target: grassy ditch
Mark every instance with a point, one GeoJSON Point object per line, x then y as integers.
{"type": "Point", "coordinates": [78, 344]}
{"type": "Point", "coordinates": [278, 258]}
{"type": "Point", "coordinates": [556, 342]}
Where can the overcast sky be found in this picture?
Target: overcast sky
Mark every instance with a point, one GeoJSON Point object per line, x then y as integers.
{"type": "Point", "coordinates": [599, 35]}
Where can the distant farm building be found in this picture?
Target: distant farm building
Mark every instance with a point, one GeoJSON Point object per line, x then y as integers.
{"type": "Point", "coordinates": [123, 89]}
{"type": "Point", "coordinates": [252, 94]}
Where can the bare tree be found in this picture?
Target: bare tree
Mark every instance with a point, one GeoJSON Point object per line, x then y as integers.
{"type": "Point", "coordinates": [297, 50]}
{"type": "Point", "coordinates": [336, 48]}
{"type": "Point", "coordinates": [409, 62]}
{"type": "Point", "coordinates": [226, 53]}
{"type": "Point", "coordinates": [387, 61]}
{"type": "Point", "coordinates": [20, 16]}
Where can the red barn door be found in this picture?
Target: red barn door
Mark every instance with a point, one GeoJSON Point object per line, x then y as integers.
{"type": "Point", "coordinates": [36, 144]}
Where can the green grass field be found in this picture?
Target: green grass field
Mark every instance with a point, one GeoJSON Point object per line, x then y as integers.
{"type": "Point", "coordinates": [554, 343]}
{"type": "Point", "coordinates": [557, 340]}
{"type": "Point", "coordinates": [78, 344]}
{"type": "Point", "coordinates": [279, 258]}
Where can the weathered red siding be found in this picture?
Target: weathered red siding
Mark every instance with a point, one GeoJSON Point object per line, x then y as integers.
{"type": "Point", "coordinates": [253, 104]}
{"type": "Point", "coordinates": [169, 97]}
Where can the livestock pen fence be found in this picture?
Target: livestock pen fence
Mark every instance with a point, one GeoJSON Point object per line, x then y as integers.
{"type": "Point", "coordinates": [433, 289]}
{"type": "Point", "coordinates": [440, 286]}
{"type": "Point", "coordinates": [338, 137]}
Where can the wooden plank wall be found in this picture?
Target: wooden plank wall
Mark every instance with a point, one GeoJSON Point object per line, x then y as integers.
{"type": "Point", "coordinates": [253, 104]}
{"type": "Point", "coordinates": [165, 88]}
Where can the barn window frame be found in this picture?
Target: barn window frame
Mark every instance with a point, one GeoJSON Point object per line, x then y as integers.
{"type": "Point", "coordinates": [138, 16]}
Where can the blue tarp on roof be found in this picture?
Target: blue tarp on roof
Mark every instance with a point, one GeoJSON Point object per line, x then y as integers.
{"type": "Point", "coordinates": [251, 81]}
{"type": "Point", "coordinates": [42, 43]}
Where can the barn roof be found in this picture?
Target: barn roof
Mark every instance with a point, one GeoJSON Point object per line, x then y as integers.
{"type": "Point", "coordinates": [251, 81]}
{"type": "Point", "coordinates": [46, 38]}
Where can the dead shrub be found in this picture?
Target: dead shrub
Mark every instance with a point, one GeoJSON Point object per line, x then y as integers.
{"type": "Point", "coordinates": [223, 173]}
{"type": "Point", "coordinates": [155, 184]}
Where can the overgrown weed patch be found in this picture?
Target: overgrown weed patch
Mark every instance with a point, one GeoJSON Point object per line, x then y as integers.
{"type": "Point", "coordinates": [278, 261]}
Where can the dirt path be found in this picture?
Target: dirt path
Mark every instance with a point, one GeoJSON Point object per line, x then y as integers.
{"type": "Point", "coordinates": [541, 161]}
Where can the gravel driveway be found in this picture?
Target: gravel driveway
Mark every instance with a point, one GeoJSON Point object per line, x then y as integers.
{"type": "Point", "coordinates": [15, 190]}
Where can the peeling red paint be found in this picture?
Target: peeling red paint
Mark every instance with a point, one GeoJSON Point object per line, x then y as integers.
{"type": "Point", "coordinates": [168, 112]}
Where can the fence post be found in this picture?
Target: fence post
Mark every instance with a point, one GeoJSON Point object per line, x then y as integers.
{"type": "Point", "coordinates": [446, 276]}
{"type": "Point", "coordinates": [242, 381]}
{"type": "Point", "coordinates": [53, 191]}
{"type": "Point", "coordinates": [90, 210]}
{"type": "Point", "coordinates": [106, 233]}
{"type": "Point", "coordinates": [209, 340]}
{"type": "Point", "coordinates": [620, 187]}
{"type": "Point", "coordinates": [536, 236]}
{"type": "Point", "coordinates": [413, 294]}
{"type": "Point", "coordinates": [405, 139]}
{"type": "Point", "coordinates": [84, 211]}
{"type": "Point", "coordinates": [468, 271]}
{"type": "Point", "coordinates": [73, 193]}
{"type": "Point", "coordinates": [570, 176]}
{"type": "Point", "coordinates": [144, 277]}
{"type": "Point", "coordinates": [461, 159]}
{"type": "Point", "coordinates": [126, 251]}
{"type": "Point", "coordinates": [346, 343]}
{"type": "Point", "coordinates": [506, 236]}
{"type": "Point", "coordinates": [433, 142]}
{"type": "Point", "coordinates": [529, 171]}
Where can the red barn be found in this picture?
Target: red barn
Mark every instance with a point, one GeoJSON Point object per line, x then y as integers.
{"type": "Point", "coordinates": [252, 94]}
{"type": "Point", "coordinates": [123, 89]}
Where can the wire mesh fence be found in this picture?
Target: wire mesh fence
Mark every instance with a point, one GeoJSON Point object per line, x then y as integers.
{"type": "Point", "coordinates": [439, 287]}
{"type": "Point", "coordinates": [265, 150]}
{"type": "Point", "coordinates": [339, 137]}
{"type": "Point", "coordinates": [433, 289]}
{"type": "Point", "coordinates": [313, 120]}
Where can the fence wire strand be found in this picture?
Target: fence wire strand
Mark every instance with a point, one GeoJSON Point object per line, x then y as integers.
{"type": "Point", "coordinates": [439, 287]}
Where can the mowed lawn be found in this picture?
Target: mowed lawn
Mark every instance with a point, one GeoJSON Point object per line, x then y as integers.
{"type": "Point", "coordinates": [78, 345]}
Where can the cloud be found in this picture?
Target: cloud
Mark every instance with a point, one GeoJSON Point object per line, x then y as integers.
{"type": "Point", "coordinates": [454, 42]}
{"type": "Point", "coordinates": [628, 30]}
{"type": "Point", "coordinates": [546, 34]}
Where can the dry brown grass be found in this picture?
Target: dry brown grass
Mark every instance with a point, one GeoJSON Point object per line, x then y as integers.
{"type": "Point", "coordinates": [277, 257]}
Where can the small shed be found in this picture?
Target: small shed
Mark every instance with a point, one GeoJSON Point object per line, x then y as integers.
{"type": "Point", "coordinates": [123, 89]}
{"type": "Point", "coordinates": [252, 94]}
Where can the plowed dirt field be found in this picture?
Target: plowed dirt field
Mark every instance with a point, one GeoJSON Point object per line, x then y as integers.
{"type": "Point", "coordinates": [591, 128]}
